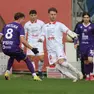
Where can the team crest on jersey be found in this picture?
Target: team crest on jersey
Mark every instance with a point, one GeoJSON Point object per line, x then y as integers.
{"type": "Point", "coordinates": [47, 25]}
{"type": "Point", "coordinates": [29, 24]}
{"type": "Point", "coordinates": [81, 26]}
{"type": "Point", "coordinates": [89, 27]}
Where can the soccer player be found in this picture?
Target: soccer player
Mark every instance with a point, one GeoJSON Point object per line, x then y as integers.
{"type": "Point", "coordinates": [53, 32]}
{"type": "Point", "coordinates": [85, 30]}
{"type": "Point", "coordinates": [13, 34]}
{"type": "Point", "coordinates": [33, 30]}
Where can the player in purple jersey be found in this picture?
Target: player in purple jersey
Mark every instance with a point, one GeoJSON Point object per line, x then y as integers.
{"type": "Point", "coordinates": [13, 34]}
{"type": "Point", "coordinates": [85, 37]}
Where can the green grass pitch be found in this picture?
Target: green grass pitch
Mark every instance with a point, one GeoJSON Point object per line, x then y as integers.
{"type": "Point", "coordinates": [26, 85]}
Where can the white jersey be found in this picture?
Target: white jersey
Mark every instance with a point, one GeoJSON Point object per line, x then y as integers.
{"type": "Point", "coordinates": [54, 35]}
{"type": "Point", "coordinates": [33, 30]}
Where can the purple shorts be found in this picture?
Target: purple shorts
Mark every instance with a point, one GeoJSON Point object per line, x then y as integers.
{"type": "Point", "coordinates": [87, 51]}
{"type": "Point", "coordinates": [18, 54]}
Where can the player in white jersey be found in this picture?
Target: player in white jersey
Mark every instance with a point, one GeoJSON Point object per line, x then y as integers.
{"type": "Point", "coordinates": [33, 29]}
{"type": "Point", "coordinates": [53, 32]}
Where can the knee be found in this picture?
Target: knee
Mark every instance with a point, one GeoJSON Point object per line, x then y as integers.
{"type": "Point", "coordinates": [86, 62]}
{"type": "Point", "coordinates": [90, 59]}
{"type": "Point", "coordinates": [60, 61]}
{"type": "Point", "coordinates": [63, 62]}
{"type": "Point", "coordinates": [41, 59]}
{"type": "Point", "coordinates": [31, 57]}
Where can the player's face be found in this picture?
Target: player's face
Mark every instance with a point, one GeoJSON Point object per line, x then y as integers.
{"type": "Point", "coordinates": [33, 17]}
{"type": "Point", "coordinates": [86, 19]}
{"type": "Point", "coordinates": [22, 20]}
{"type": "Point", "coordinates": [52, 16]}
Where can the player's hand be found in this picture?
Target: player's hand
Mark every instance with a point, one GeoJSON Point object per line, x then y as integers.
{"type": "Point", "coordinates": [40, 40]}
{"type": "Point", "coordinates": [35, 50]}
{"type": "Point", "coordinates": [75, 46]}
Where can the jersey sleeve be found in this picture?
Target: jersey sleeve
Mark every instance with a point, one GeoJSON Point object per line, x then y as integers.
{"type": "Point", "coordinates": [42, 24]}
{"type": "Point", "coordinates": [43, 33]}
{"type": "Point", "coordinates": [76, 30]}
{"type": "Point", "coordinates": [63, 28]}
{"type": "Point", "coordinates": [67, 30]}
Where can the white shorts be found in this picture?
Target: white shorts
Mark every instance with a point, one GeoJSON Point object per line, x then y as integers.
{"type": "Point", "coordinates": [36, 45]}
{"type": "Point", "coordinates": [54, 56]}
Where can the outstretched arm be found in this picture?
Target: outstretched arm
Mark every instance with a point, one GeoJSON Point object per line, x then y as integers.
{"type": "Point", "coordinates": [66, 30]}
{"type": "Point", "coordinates": [23, 40]}
{"type": "Point", "coordinates": [72, 34]}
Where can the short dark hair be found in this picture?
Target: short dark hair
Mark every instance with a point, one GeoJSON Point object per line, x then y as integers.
{"type": "Point", "coordinates": [85, 13]}
{"type": "Point", "coordinates": [18, 15]}
{"type": "Point", "coordinates": [32, 12]}
{"type": "Point", "coordinates": [52, 9]}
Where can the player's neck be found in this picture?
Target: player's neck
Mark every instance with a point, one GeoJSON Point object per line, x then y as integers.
{"type": "Point", "coordinates": [17, 21]}
{"type": "Point", "coordinates": [52, 22]}
{"type": "Point", "coordinates": [86, 24]}
{"type": "Point", "coordinates": [33, 21]}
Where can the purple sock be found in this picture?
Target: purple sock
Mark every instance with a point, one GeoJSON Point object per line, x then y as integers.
{"type": "Point", "coordinates": [86, 69]}
{"type": "Point", "coordinates": [10, 63]}
{"type": "Point", "coordinates": [91, 67]}
{"type": "Point", "coordinates": [29, 65]}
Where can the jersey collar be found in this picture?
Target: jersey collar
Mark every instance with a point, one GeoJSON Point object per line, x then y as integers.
{"type": "Point", "coordinates": [52, 22]}
{"type": "Point", "coordinates": [86, 25]}
{"type": "Point", "coordinates": [34, 21]}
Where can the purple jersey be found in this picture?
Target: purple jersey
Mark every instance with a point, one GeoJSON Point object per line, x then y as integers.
{"type": "Point", "coordinates": [11, 36]}
{"type": "Point", "coordinates": [86, 37]}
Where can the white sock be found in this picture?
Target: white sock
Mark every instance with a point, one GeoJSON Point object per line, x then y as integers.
{"type": "Point", "coordinates": [64, 72]}
{"type": "Point", "coordinates": [34, 65]}
{"type": "Point", "coordinates": [8, 71]}
{"type": "Point", "coordinates": [69, 66]}
{"type": "Point", "coordinates": [87, 76]}
{"type": "Point", "coordinates": [34, 74]}
{"type": "Point", "coordinates": [40, 65]}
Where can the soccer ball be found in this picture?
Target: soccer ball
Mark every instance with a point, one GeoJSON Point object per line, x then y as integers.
{"type": "Point", "coordinates": [69, 39]}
